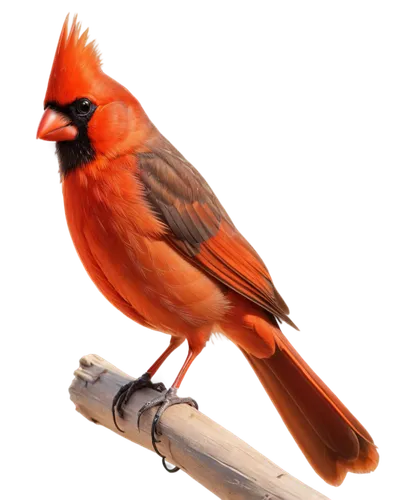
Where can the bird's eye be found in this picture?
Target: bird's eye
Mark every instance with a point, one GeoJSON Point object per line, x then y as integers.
{"type": "Point", "coordinates": [83, 106]}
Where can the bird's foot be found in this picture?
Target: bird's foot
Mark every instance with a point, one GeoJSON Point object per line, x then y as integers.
{"type": "Point", "coordinates": [124, 394]}
{"type": "Point", "coordinates": [164, 401]}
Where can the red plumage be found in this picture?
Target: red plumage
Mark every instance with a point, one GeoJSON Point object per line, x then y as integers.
{"type": "Point", "coordinates": [158, 244]}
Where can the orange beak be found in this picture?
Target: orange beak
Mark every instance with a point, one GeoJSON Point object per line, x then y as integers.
{"type": "Point", "coordinates": [55, 126]}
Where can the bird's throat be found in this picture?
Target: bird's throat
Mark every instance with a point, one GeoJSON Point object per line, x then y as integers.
{"type": "Point", "coordinates": [74, 154]}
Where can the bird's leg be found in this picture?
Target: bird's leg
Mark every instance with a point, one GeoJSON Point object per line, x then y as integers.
{"type": "Point", "coordinates": [124, 394]}
{"type": "Point", "coordinates": [166, 400]}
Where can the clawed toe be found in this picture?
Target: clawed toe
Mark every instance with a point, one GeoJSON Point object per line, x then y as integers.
{"type": "Point", "coordinates": [125, 392]}
{"type": "Point", "coordinates": [164, 401]}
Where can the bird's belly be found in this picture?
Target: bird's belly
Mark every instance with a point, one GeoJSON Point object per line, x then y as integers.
{"type": "Point", "coordinates": [144, 272]}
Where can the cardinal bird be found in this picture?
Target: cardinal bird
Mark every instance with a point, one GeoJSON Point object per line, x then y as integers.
{"type": "Point", "coordinates": [158, 244]}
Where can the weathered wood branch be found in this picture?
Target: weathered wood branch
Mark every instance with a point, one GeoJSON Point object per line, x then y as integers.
{"type": "Point", "coordinates": [203, 449]}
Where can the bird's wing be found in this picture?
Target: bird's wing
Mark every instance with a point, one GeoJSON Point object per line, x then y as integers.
{"type": "Point", "coordinates": [201, 230]}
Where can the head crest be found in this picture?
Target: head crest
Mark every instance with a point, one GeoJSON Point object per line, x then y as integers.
{"type": "Point", "coordinates": [75, 67]}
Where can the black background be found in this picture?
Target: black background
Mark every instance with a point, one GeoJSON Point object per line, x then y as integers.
{"type": "Point", "coordinates": [272, 111]}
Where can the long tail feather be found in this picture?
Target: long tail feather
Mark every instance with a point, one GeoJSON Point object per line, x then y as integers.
{"type": "Point", "coordinates": [331, 438]}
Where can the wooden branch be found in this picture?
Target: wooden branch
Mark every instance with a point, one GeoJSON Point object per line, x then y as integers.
{"type": "Point", "coordinates": [203, 449]}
